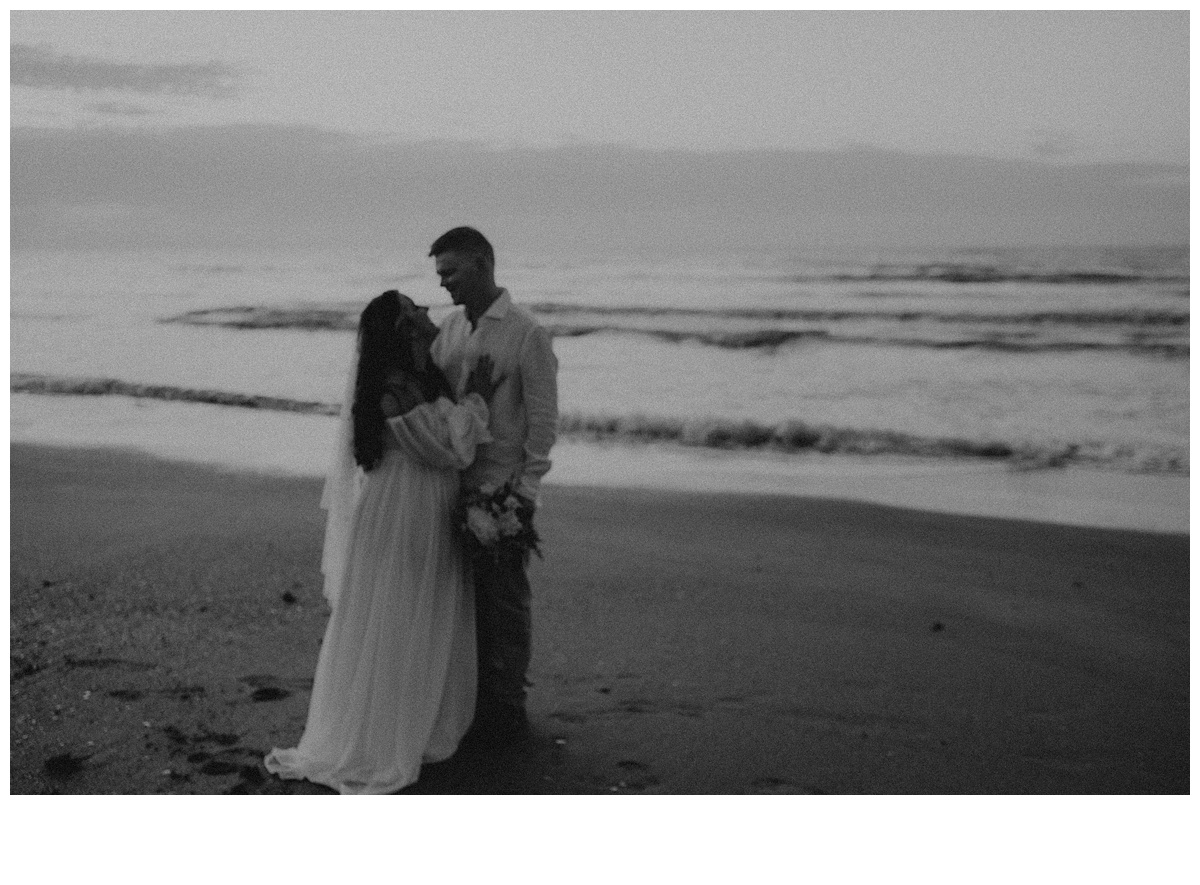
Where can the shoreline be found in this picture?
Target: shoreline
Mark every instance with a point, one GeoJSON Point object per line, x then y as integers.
{"type": "Point", "coordinates": [290, 444]}
{"type": "Point", "coordinates": [165, 620]}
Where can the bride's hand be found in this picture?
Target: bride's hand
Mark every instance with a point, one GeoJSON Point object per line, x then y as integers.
{"type": "Point", "coordinates": [480, 380]}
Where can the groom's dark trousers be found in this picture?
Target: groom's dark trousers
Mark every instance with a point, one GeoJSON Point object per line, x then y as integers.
{"type": "Point", "coordinates": [503, 632]}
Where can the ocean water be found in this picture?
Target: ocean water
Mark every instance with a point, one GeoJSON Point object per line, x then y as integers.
{"type": "Point", "coordinates": [1032, 358]}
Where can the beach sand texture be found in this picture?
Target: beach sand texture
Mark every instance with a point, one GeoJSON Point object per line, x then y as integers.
{"type": "Point", "coordinates": [165, 622]}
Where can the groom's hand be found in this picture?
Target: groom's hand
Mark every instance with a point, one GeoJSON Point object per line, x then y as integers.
{"type": "Point", "coordinates": [480, 380]}
{"type": "Point", "coordinates": [390, 406]}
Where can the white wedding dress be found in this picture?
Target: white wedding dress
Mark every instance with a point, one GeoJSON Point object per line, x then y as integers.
{"type": "Point", "coordinates": [395, 679]}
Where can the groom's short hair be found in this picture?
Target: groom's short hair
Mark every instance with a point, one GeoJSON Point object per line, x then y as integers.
{"type": "Point", "coordinates": [463, 239]}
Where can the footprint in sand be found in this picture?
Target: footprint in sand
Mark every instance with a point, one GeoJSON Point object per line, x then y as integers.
{"type": "Point", "coordinates": [250, 778]}
{"type": "Point", "coordinates": [270, 693]}
{"type": "Point", "coordinates": [268, 687]}
{"type": "Point", "coordinates": [184, 692]}
{"type": "Point", "coordinates": [20, 667]}
{"type": "Point", "coordinates": [231, 760]}
{"type": "Point", "coordinates": [635, 776]}
{"type": "Point", "coordinates": [219, 766]}
{"type": "Point", "coordinates": [73, 663]}
{"type": "Point", "coordinates": [775, 786]}
{"type": "Point", "coordinates": [178, 738]}
{"type": "Point", "coordinates": [63, 766]}
{"type": "Point", "coordinates": [635, 705]}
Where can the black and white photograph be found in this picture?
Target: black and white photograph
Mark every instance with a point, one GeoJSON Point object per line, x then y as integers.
{"type": "Point", "coordinates": [549, 402]}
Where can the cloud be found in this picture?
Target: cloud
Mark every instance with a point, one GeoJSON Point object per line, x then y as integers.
{"type": "Point", "coordinates": [41, 68]}
{"type": "Point", "coordinates": [271, 185]}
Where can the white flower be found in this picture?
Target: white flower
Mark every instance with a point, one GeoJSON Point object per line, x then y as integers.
{"type": "Point", "coordinates": [482, 526]}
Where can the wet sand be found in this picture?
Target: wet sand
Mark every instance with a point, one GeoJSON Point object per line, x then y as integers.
{"type": "Point", "coordinates": [165, 621]}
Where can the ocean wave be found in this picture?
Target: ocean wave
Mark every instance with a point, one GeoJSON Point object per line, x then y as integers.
{"type": "Point", "coordinates": [1161, 333]}
{"type": "Point", "coordinates": [1130, 317]}
{"type": "Point", "coordinates": [1017, 342]}
{"type": "Point", "coordinates": [345, 316]}
{"type": "Point", "coordinates": [798, 436]}
{"type": "Point", "coordinates": [54, 385]}
{"type": "Point", "coordinates": [949, 272]}
{"type": "Point", "coordinates": [321, 318]}
{"type": "Point", "coordinates": [788, 436]}
{"type": "Point", "coordinates": [736, 340]}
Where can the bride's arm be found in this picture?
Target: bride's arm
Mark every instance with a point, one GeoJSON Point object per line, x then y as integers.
{"type": "Point", "coordinates": [461, 426]}
{"type": "Point", "coordinates": [467, 426]}
{"type": "Point", "coordinates": [443, 434]}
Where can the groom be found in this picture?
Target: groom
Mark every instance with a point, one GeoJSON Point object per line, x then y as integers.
{"type": "Point", "coordinates": [524, 416]}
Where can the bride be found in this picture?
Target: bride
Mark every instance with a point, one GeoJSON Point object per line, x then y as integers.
{"type": "Point", "coordinates": [395, 679]}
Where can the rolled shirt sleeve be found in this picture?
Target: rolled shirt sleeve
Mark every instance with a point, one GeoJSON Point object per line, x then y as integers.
{"type": "Point", "coordinates": [539, 386]}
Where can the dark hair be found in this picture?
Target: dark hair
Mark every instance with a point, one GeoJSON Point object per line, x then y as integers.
{"type": "Point", "coordinates": [382, 349]}
{"type": "Point", "coordinates": [463, 239]}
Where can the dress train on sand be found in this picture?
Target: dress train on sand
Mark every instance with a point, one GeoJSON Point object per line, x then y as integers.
{"type": "Point", "coordinates": [395, 679]}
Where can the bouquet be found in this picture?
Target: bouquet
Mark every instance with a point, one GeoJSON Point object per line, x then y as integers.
{"type": "Point", "coordinates": [495, 520]}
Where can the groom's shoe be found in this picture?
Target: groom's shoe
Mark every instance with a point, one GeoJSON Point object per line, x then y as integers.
{"type": "Point", "coordinates": [509, 725]}
{"type": "Point", "coordinates": [497, 727]}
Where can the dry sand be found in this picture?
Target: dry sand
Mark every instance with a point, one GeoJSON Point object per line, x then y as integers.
{"type": "Point", "coordinates": [165, 621]}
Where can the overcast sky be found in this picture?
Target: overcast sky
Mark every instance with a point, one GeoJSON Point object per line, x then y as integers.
{"type": "Point", "coordinates": [527, 97]}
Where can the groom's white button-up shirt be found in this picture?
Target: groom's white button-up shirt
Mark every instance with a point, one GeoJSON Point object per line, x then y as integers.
{"type": "Point", "coordinates": [524, 409]}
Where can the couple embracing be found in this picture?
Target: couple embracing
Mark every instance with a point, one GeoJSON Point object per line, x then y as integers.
{"type": "Point", "coordinates": [430, 632]}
